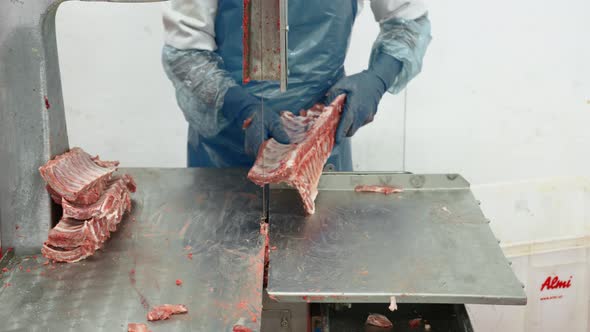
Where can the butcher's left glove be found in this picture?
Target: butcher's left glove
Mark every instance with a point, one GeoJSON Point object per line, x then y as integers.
{"type": "Point", "coordinates": [363, 94]}
{"type": "Point", "coordinates": [247, 111]}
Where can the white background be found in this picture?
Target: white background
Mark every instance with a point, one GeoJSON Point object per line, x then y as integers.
{"type": "Point", "coordinates": [503, 99]}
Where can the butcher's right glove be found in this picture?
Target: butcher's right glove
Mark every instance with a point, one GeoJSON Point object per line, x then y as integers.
{"type": "Point", "coordinates": [363, 93]}
{"type": "Point", "coordinates": [247, 111]}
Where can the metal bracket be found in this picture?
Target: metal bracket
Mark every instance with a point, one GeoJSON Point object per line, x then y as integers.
{"type": "Point", "coordinates": [33, 125]}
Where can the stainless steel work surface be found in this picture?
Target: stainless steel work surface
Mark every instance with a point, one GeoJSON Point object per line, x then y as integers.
{"type": "Point", "coordinates": [199, 226]}
{"type": "Point", "coordinates": [428, 244]}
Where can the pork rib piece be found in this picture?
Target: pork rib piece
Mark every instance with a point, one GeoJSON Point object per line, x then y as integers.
{"type": "Point", "coordinates": [65, 255]}
{"type": "Point", "coordinates": [72, 240]}
{"type": "Point", "coordinates": [300, 163]}
{"type": "Point", "coordinates": [164, 311]}
{"type": "Point", "coordinates": [386, 190]}
{"type": "Point", "coordinates": [77, 177]}
{"type": "Point", "coordinates": [117, 189]}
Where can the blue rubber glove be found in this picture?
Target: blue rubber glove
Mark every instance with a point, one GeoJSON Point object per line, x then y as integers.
{"type": "Point", "coordinates": [246, 110]}
{"type": "Point", "coordinates": [363, 94]}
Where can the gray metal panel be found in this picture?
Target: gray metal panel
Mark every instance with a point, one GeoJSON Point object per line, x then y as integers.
{"type": "Point", "coordinates": [30, 131]}
{"type": "Point", "coordinates": [213, 214]}
{"type": "Point", "coordinates": [429, 244]}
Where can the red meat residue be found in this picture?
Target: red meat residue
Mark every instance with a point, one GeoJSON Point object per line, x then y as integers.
{"type": "Point", "coordinates": [415, 323]}
{"type": "Point", "coordinates": [240, 328]}
{"type": "Point", "coordinates": [136, 327]}
{"type": "Point", "coordinates": [247, 123]}
{"type": "Point", "coordinates": [47, 105]}
{"type": "Point", "coordinates": [178, 282]}
{"type": "Point", "coordinates": [164, 311]}
{"type": "Point", "coordinates": [386, 190]}
{"type": "Point", "coordinates": [245, 42]}
{"type": "Point", "coordinates": [142, 298]}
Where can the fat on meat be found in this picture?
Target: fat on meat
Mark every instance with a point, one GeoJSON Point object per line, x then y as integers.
{"type": "Point", "coordinates": [300, 164]}
{"type": "Point", "coordinates": [164, 311]}
{"type": "Point", "coordinates": [379, 321]}
{"type": "Point", "coordinates": [65, 255]}
{"type": "Point", "coordinates": [76, 176]}
{"type": "Point", "coordinates": [137, 327]}
{"type": "Point", "coordinates": [378, 189]}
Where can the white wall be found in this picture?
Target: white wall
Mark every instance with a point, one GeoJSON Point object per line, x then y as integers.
{"type": "Point", "coordinates": [118, 100]}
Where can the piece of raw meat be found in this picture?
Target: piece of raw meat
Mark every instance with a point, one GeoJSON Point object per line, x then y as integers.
{"type": "Point", "coordinates": [55, 197]}
{"type": "Point", "coordinates": [76, 176]}
{"type": "Point", "coordinates": [93, 203]}
{"type": "Point", "coordinates": [65, 255]}
{"type": "Point", "coordinates": [117, 192]}
{"type": "Point", "coordinates": [84, 237]}
{"type": "Point", "coordinates": [240, 328]}
{"type": "Point", "coordinates": [300, 163]}
{"type": "Point", "coordinates": [379, 321]}
{"type": "Point", "coordinates": [71, 233]}
{"type": "Point", "coordinates": [137, 327]}
{"type": "Point", "coordinates": [164, 311]}
{"type": "Point", "coordinates": [378, 189]}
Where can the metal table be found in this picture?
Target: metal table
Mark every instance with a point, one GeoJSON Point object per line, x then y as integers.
{"type": "Point", "coordinates": [429, 244]}
{"type": "Point", "coordinates": [212, 214]}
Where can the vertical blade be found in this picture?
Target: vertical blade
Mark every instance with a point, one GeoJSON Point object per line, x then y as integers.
{"type": "Point", "coordinates": [265, 35]}
{"type": "Point", "coordinates": [262, 40]}
{"type": "Point", "coordinates": [284, 25]}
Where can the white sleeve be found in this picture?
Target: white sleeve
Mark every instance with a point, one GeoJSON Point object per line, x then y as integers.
{"type": "Point", "coordinates": [190, 24]}
{"type": "Point", "coordinates": [404, 9]}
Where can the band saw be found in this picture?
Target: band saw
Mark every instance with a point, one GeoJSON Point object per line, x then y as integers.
{"type": "Point", "coordinates": [429, 250]}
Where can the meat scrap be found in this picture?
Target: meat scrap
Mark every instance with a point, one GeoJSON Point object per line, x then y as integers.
{"type": "Point", "coordinates": [415, 323]}
{"type": "Point", "coordinates": [300, 163]}
{"type": "Point", "coordinates": [379, 321]}
{"type": "Point", "coordinates": [164, 311]}
{"type": "Point", "coordinates": [240, 328]}
{"type": "Point", "coordinates": [93, 203]}
{"type": "Point", "coordinates": [76, 177]}
{"type": "Point", "coordinates": [378, 189]}
{"type": "Point", "coordinates": [137, 327]}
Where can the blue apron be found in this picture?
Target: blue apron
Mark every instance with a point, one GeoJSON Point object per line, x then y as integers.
{"type": "Point", "coordinates": [319, 34]}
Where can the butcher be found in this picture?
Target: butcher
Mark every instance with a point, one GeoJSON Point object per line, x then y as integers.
{"type": "Point", "coordinates": [202, 56]}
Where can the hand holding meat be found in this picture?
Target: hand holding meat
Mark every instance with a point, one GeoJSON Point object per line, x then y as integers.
{"type": "Point", "coordinates": [259, 124]}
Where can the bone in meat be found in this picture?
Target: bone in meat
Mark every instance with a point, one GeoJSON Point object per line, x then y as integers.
{"type": "Point", "coordinates": [300, 163]}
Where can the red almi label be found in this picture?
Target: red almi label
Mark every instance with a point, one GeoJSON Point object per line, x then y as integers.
{"type": "Point", "coordinates": [556, 283]}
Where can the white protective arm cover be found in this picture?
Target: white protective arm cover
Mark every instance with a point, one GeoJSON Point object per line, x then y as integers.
{"type": "Point", "coordinates": [201, 84]}
{"type": "Point", "coordinates": [190, 24]}
{"type": "Point", "coordinates": [404, 35]}
{"type": "Point", "coordinates": [192, 65]}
